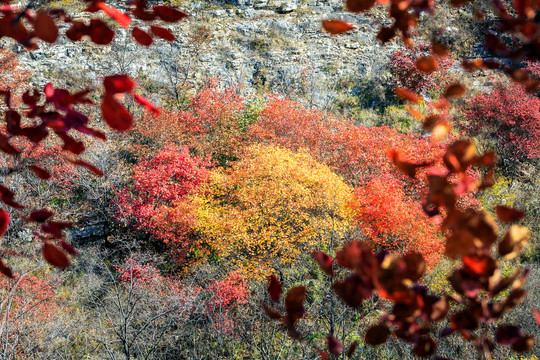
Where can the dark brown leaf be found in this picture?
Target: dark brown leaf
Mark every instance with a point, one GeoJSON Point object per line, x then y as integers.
{"type": "Point", "coordinates": [359, 5]}
{"type": "Point", "coordinates": [377, 335]}
{"type": "Point", "coordinates": [274, 288]}
{"type": "Point", "coordinates": [508, 215]}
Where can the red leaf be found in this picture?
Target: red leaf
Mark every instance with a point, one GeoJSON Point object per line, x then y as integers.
{"type": "Point", "coordinates": [169, 14]}
{"type": "Point", "coordinates": [324, 261]}
{"type": "Point", "coordinates": [87, 165]}
{"type": "Point", "coordinates": [69, 248]}
{"type": "Point", "coordinates": [40, 173]}
{"type": "Point", "coordinates": [162, 33]}
{"type": "Point", "coordinates": [333, 345]}
{"type": "Point", "coordinates": [119, 83]}
{"type": "Point", "coordinates": [147, 104]}
{"type": "Point", "coordinates": [141, 37]}
{"type": "Point", "coordinates": [427, 64]}
{"type": "Point", "coordinates": [99, 32]}
{"type": "Point", "coordinates": [4, 221]}
{"type": "Point", "coordinates": [274, 288]}
{"type": "Point", "coordinates": [45, 27]}
{"type": "Point", "coordinates": [336, 27]}
{"type": "Point", "coordinates": [4, 269]}
{"type": "Point", "coordinates": [40, 215]}
{"type": "Point", "coordinates": [141, 12]}
{"type": "Point", "coordinates": [70, 144]}
{"type": "Point", "coordinates": [54, 256]}
{"type": "Point", "coordinates": [359, 5]}
{"type": "Point", "coordinates": [407, 95]}
{"type": "Point", "coordinates": [115, 114]}
{"type": "Point", "coordinates": [294, 304]}
{"type": "Point", "coordinates": [120, 17]}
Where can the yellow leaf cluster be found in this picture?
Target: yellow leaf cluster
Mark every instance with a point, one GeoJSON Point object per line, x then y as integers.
{"type": "Point", "coordinates": [271, 207]}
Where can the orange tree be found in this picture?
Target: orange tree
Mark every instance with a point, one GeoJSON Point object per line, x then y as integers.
{"type": "Point", "coordinates": [270, 207]}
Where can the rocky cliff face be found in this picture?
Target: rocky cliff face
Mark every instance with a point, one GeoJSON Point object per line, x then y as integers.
{"type": "Point", "coordinates": [262, 45]}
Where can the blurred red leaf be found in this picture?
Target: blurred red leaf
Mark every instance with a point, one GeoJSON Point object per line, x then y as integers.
{"type": "Point", "coordinates": [4, 221]}
{"type": "Point", "coordinates": [294, 304]}
{"type": "Point", "coordinates": [40, 172]}
{"type": "Point", "coordinates": [119, 83]}
{"type": "Point", "coordinates": [439, 49]}
{"type": "Point", "coordinates": [141, 37]}
{"type": "Point", "coordinates": [352, 348]}
{"type": "Point", "coordinates": [45, 27]}
{"type": "Point", "coordinates": [115, 114]}
{"type": "Point", "coordinates": [99, 32]}
{"type": "Point", "coordinates": [324, 261]}
{"type": "Point", "coordinates": [54, 256]}
{"type": "Point", "coordinates": [274, 288]}
{"type": "Point", "coordinates": [4, 269]}
{"type": "Point", "coordinates": [169, 14]}
{"type": "Point", "coordinates": [272, 314]}
{"type": "Point", "coordinates": [536, 315]}
{"type": "Point", "coordinates": [40, 215]}
{"type": "Point", "coordinates": [68, 248]}
{"type": "Point", "coordinates": [333, 345]}
{"type": "Point", "coordinates": [87, 165]}
{"type": "Point", "coordinates": [162, 33]}
{"type": "Point", "coordinates": [147, 104]}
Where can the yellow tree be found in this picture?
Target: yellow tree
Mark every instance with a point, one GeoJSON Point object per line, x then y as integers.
{"type": "Point", "coordinates": [270, 207]}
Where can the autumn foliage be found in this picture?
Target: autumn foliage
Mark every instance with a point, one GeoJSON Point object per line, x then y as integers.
{"type": "Point", "coordinates": [159, 201]}
{"type": "Point", "coordinates": [270, 207]}
{"type": "Point", "coordinates": [508, 119]}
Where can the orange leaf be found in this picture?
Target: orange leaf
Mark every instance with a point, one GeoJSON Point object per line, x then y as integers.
{"type": "Point", "coordinates": [336, 27]}
{"type": "Point", "coordinates": [439, 49]}
{"type": "Point", "coordinates": [455, 90]}
{"type": "Point", "coordinates": [407, 95]}
{"type": "Point", "coordinates": [427, 64]}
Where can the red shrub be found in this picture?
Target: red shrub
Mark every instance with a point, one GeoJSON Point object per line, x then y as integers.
{"type": "Point", "coordinates": [510, 116]}
{"type": "Point", "coordinates": [158, 200]}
